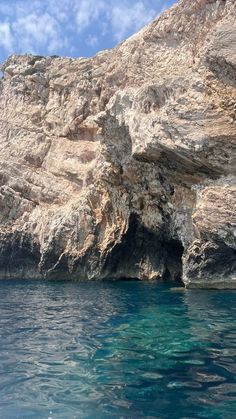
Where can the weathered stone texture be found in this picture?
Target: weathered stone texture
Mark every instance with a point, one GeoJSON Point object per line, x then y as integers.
{"type": "Point", "coordinates": [124, 165]}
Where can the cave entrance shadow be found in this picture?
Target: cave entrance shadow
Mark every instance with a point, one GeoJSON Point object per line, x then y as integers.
{"type": "Point", "coordinates": [142, 246]}
{"type": "Point", "coordinates": [173, 252]}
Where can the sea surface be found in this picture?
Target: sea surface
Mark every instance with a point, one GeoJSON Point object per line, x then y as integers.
{"type": "Point", "coordinates": [116, 350]}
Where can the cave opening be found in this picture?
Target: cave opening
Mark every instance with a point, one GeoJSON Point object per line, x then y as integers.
{"type": "Point", "coordinates": [173, 252]}
{"type": "Point", "coordinates": [144, 254]}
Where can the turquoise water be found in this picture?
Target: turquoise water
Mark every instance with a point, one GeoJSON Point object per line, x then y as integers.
{"type": "Point", "coordinates": [116, 350]}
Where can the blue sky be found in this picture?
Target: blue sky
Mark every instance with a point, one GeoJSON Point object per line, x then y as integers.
{"type": "Point", "coordinates": [71, 27]}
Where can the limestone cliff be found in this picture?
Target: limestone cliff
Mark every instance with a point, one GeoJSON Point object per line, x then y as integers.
{"type": "Point", "coordinates": [124, 165]}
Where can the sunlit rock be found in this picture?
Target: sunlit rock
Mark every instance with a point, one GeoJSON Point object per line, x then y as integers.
{"type": "Point", "coordinates": [123, 165]}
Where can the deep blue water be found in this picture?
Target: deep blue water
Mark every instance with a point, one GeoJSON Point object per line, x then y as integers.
{"type": "Point", "coordinates": [116, 350]}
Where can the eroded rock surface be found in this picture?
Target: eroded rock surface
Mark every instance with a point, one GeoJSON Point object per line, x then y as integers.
{"type": "Point", "coordinates": [124, 165]}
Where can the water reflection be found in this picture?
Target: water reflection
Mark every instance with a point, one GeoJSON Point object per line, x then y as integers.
{"type": "Point", "coordinates": [115, 350]}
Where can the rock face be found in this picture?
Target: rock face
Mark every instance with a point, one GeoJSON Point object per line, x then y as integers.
{"type": "Point", "coordinates": [124, 165]}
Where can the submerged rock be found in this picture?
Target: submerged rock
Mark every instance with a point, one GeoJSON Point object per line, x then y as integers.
{"type": "Point", "coordinates": [123, 165]}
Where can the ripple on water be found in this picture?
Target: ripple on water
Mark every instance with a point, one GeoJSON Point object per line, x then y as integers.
{"type": "Point", "coordinates": [116, 350]}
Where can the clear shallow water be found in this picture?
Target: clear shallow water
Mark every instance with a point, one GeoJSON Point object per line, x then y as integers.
{"type": "Point", "coordinates": [116, 350]}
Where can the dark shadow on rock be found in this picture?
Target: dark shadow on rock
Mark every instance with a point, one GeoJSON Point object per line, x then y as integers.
{"type": "Point", "coordinates": [143, 254]}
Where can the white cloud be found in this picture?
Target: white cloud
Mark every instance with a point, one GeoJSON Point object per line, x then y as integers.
{"type": "Point", "coordinates": [92, 41]}
{"type": "Point", "coordinates": [119, 17]}
{"type": "Point", "coordinates": [89, 11]}
{"type": "Point", "coordinates": [35, 30]}
{"type": "Point", "coordinates": [6, 37]}
{"type": "Point", "coordinates": [56, 26]}
{"type": "Point", "coordinates": [126, 19]}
